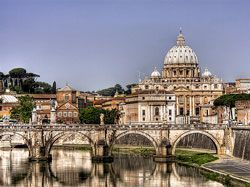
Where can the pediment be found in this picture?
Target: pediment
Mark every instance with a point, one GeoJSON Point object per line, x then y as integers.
{"type": "Point", "coordinates": [182, 89]}
{"type": "Point", "coordinates": [67, 106]}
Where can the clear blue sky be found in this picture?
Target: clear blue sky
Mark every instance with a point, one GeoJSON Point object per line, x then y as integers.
{"type": "Point", "coordinates": [93, 44]}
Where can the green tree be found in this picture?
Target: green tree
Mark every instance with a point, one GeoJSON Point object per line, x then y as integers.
{"type": "Point", "coordinates": [111, 91]}
{"type": "Point", "coordinates": [91, 115]}
{"type": "Point", "coordinates": [17, 73]}
{"type": "Point", "coordinates": [129, 87]}
{"type": "Point", "coordinates": [53, 90]}
{"type": "Point", "coordinates": [23, 111]}
{"type": "Point", "coordinates": [41, 87]}
{"type": "Point", "coordinates": [110, 116]}
{"type": "Point", "coordinates": [230, 99]}
{"type": "Point", "coordinates": [1, 75]}
{"type": "Point", "coordinates": [28, 85]}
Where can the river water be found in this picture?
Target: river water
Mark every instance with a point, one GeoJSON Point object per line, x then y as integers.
{"type": "Point", "coordinates": [74, 168]}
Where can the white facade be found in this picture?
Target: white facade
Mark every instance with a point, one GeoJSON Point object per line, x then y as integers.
{"type": "Point", "coordinates": [156, 108]}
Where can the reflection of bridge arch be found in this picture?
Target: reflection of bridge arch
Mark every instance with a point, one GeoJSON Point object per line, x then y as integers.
{"type": "Point", "coordinates": [214, 140]}
{"type": "Point", "coordinates": [11, 134]}
{"type": "Point", "coordinates": [146, 135]}
{"type": "Point", "coordinates": [51, 142]}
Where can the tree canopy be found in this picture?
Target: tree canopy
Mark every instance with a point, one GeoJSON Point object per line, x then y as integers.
{"type": "Point", "coordinates": [23, 111]}
{"type": "Point", "coordinates": [17, 73]}
{"type": "Point", "coordinates": [230, 99]}
{"type": "Point", "coordinates": [116, 88]}
{"type": "Point", "coordinates": [91, 115]}
{"type": "Point", "coordinates": [1, 75]}
{"type": "Point", "coordinates": [23, 82]}
{"type": "Point", "coordinates": [111, 91]}
{"type": "Point", "coordinates": [53, 89]}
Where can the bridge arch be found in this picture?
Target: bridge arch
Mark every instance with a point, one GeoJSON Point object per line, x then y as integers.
{"type": "Point", "coordinates": [210, 136]}
{"type": "Point", "coordinates": [58, 136]}
{"type": "Point", "coordinates": [146, 135]}
{"type": "Point", "coordinates": [26, 140]}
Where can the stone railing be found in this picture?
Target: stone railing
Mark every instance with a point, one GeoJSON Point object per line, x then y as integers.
{"type": "Point", "coordinates": [241, 127]}
{"type": "Point", "coordinates": [97, 127]}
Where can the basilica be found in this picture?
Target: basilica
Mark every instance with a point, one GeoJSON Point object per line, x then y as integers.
{"type": "Point", "coordinates": [178, 93]}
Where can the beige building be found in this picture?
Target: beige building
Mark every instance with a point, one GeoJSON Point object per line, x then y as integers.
{"type": "Point", "coordinates": [242, 85]}
{"type": "Point", "coordinates": [243, 112]}
{"type": "Point", "coordinates": [7, 102]}
{"type": "Point", "coordinates": [182, 76]}
{"type": "Point", "coordinates": [150, 106]}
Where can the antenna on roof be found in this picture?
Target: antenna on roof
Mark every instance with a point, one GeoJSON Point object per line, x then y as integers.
{"type": "Point", "coordinates": [139, 76]}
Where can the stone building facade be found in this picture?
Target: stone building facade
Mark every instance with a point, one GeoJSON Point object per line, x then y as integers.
{"type": "Point", "coordinates": [243, 112]}
{"type": "Point", "coordinates": [67, 106]}
{"type": "Point", "coordinates": [181, 75]}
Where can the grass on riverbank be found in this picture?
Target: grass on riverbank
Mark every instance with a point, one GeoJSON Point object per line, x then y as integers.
{"type": "Point", "coordinates": [192, 157]}
{"type": "Point", "coordinates": [143, 151]}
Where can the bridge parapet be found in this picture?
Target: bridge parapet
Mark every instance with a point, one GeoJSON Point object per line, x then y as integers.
{"type": "Point", "coordinates": [96, 127]}
{"type": "Point", "coordinates": [241, 127]}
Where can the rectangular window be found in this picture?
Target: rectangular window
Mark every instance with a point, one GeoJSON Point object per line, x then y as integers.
{"type": "Point", "coordinates": [181, 111]}
{"type": "Point", "coordinates": [197, 111]}
{"type": "Point", "coordinates": [143, 112]}
{"type": "Point", "coordinates": [170, 112]}
{"type": "Point", "coordinates": [66, 97]}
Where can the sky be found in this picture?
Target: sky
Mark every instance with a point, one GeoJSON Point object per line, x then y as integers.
{"type": "Point", "coordinates": [94, 44]}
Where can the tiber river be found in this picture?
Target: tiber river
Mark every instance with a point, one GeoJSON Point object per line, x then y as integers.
{"type": "Point", "coordinates": [74, 168]}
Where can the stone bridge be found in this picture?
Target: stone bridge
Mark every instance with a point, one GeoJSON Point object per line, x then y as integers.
{"type": "Point", "coordinates": [40, 138]}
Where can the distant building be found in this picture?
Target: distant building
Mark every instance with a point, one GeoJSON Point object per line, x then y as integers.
{"type": "Point", "coordinates": [182, 76]}
{"type": "Point", "coordinates": [113, 103]}
{"type": "Point", "coordinates": [7, 102]}
{"type": "Point", "coordinates": [242, 85]}
{"type": "Point", "coordinates": [148, 106]}
{"type": "Point", "coordinates": [209, 113]}
{"type": "Point", "coordinates": [230, 88]}
{"type": "Point", "coordinates": [67, 106]}
{"type": "Point", "coordinates": [43, 104]}
{"type": "Point", "coordinates": [243, 112]}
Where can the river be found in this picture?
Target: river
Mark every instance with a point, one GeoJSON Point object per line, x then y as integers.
{"type": "Point", "coordinates": [74, 168]}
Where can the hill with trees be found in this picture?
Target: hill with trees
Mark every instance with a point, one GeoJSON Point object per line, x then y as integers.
{"type": "Point", "coordinates": [19, 80]}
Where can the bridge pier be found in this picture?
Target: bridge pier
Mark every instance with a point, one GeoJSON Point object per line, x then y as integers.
{"type": "Point", "coordinates": [165, 154]}
{"type": "Point", "coordinates": [38, 153]}
{"type": "Point", "coordinates": [102, 153]}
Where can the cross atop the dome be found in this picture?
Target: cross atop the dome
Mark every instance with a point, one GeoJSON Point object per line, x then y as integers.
{"type": "Point", "coordinates": [180, 39]}
{"type": "Point", "coordinates": [180, 30]}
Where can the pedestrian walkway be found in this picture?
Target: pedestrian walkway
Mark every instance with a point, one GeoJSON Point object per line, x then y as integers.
{"type": "Point", "coordinates": [231, 166]}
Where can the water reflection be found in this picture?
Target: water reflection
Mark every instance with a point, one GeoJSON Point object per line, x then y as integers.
{"type": "Point", "coordinates": [74, 168]}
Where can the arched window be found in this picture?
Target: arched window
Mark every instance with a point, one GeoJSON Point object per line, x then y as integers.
{"type": "Point", "coordinates": [66, 97]}
{"type": "Point", "coordinates": [157, 111]}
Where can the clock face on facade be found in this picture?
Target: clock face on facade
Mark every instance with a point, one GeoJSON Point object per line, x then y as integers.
{"type": "Point", "coordinates": [67, 105]}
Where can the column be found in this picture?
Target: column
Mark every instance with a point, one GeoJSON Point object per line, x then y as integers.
{"type": "Point", "coordinates": [34, 115]}
{"type": "Point", "coordinates": [177, 106]}
{"type": "Point", "coordinates": [190, 106]}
